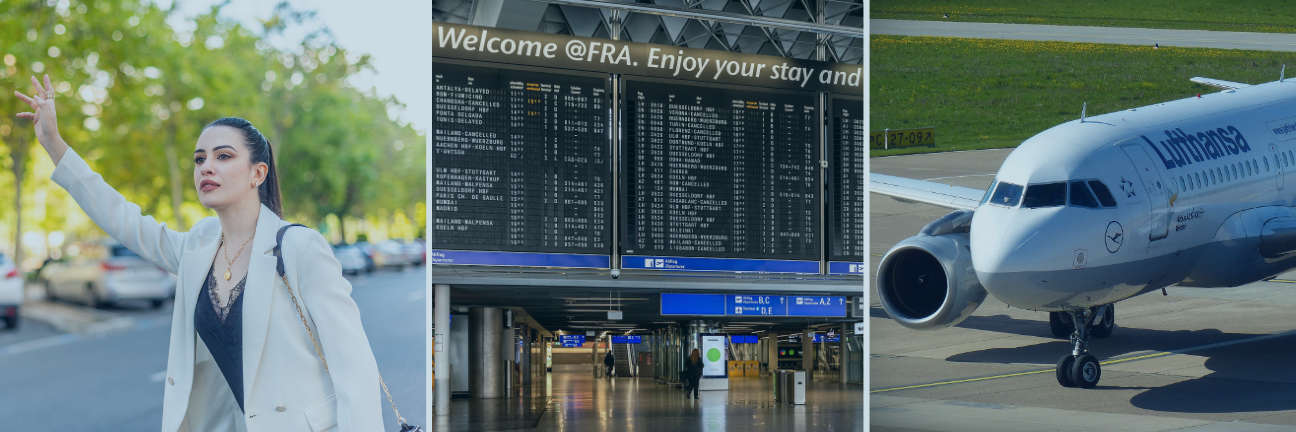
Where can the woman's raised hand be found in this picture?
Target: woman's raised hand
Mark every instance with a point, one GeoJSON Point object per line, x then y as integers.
{"type": "Point", "coordinates": [44, 117]}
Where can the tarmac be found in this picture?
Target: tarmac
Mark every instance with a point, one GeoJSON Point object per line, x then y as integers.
{"type": "Point", "coordinates": [1198, 359]}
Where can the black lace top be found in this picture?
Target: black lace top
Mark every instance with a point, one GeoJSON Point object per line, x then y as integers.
{"type": "Point", "coordinates": [221, 328]}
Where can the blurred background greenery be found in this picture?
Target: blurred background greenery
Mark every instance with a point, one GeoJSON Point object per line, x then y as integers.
{"type": "Point", "coordinates": [135, 90]}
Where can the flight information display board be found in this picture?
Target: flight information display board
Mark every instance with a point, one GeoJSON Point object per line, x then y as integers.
{"type": "Point", "coordinates": [753, 305]}
{"type": "Point", "coordinates": [719, 179]}
{"type": "Point", "coordinates": [846, 152]}
{"type": "Point", "coordinates": [521, 167]}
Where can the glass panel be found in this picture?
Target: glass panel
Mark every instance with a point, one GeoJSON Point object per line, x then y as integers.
{"type": "Point", "coordinates": [1080, 195]}
{"type": "Point", "coordinates": [1045, 195]}
{"type": "Point", "coordinates": [1104, 195]}
{"type": "Point", "coordinates": [1007, 194]}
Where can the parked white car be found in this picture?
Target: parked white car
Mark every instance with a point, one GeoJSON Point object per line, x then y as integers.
{"type": "Point", "coordinates": [108, 273]}
{"type": "Point", "coordinates": [11, 292]}
{"type": "Point", "coordinates": [414, 249]}
{"type": "Point", "coordinates": [391, 253]}
{"type": "Point", "coordinates": [351, 258]}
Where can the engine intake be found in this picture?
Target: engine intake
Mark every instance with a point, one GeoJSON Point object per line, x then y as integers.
{"type": "Point", "coordinates": [927, 281]}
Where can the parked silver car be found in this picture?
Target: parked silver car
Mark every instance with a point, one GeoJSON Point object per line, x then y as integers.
{"type": "Point", "coordinates": [352, 259]}
{"type": "Point", "coordinates": [11, 292]}
{"type": "Point", "coordinates": [105, 274]}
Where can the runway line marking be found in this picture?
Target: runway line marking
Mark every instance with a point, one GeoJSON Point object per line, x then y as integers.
{"type": "Point", "coordinates": [959, 176]}
{"type": "Point", "coordinates": [1158, 354]}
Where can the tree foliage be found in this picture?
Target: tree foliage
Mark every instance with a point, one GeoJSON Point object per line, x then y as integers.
{"type": "Point", "coordinates": [135, 90]}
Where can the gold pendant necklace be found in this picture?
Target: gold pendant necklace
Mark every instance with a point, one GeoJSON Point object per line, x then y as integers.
{"type": "Point", "coordinates": [229, 263]}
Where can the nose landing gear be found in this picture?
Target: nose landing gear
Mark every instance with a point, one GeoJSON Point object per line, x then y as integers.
{"type": "Point", "coordinates": [1079, 368]}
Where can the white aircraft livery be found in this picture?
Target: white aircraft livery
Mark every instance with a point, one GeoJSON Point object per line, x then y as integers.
{"type": "Point", "coordinates": [1093, 211]}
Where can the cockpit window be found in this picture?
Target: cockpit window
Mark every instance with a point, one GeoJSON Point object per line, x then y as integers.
{"type": "Point", "coordinates": [1104, 195]}
{"type": "Point", "coordinates": [1006, 194]}
{"type": "Point", "coordinates": [1045, 195]}
{"type": "Point", "coordinates": [1080, 195]}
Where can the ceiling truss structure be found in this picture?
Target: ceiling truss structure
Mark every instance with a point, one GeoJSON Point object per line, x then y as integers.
{"type": "Point", "coordinates": [801, 29]}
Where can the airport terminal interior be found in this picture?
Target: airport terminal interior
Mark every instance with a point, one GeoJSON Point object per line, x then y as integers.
{"type": "Point", "coordinates": [606, 184]}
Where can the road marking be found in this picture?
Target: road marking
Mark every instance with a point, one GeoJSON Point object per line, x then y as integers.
{"type": "Point", "coordinates": [67, 338]}
{"type": "Point", "coordinates": [415, 296]}
{"type": "Point", "coordinates": [959, 176]}
{"type": "Point", "coordinates": [36, 344]}
{"type": "Point", "coordinates": [1105, 362]}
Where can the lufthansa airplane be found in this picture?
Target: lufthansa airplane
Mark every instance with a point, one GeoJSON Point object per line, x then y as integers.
{"type": "Point", "coordinates": [1093, 211]}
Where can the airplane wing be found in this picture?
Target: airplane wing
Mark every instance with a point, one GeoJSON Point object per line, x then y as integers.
{"type": "Point", "coordinates": [1226, 85]}
{"type": "Point", "coordinates": [939, 194]}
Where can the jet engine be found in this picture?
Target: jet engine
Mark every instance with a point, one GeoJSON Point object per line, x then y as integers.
{"type": "Point", "coordinates": [927, 281]}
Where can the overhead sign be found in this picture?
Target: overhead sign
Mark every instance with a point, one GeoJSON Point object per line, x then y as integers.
{"type": "Point", "coordinates": [714, 364]}
{"type": "Point", "coordinates": [743, 339]}
{"type": "Point", "coordinates": [753, 305]}
{"type": "Point", "coordinates": [897, 138]}
{"type": "Point", "coordinates": [627, 339]}
{"type": "Point", "coordinates": [642, 59]}
{"type": "Point", "coordinates": [572, 341]}
{"type": "Point", "coordinates": [829, 338]}
{"type": "Point", "coordinates": [859, 328]}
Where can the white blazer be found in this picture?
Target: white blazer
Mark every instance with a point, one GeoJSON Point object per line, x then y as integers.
{"type": "Point", "coordinates": [286, 388]}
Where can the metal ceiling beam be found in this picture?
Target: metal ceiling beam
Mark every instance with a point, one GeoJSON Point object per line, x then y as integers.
{"type": "Point", "coordinates": [720, 16]}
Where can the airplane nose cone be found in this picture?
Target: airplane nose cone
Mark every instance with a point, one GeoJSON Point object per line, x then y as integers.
{"type": "Point", "coordinates": [1001, 242]}
{"type": "Point", "coordinates": [1008, 250]}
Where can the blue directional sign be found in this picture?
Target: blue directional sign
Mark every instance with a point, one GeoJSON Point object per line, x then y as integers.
{"type": "Point", "coordinates": [846, 268]}
{"type": "Point", "coordinates": [743, 339]}
{"type": "Point", "coordinates": [572, 341]}
{"type": "Point", "coordinates": [492, 258]}
{"type": "Point", "coordinates": [816, 306]}
{"type": "Point", "coordinates": [627, 339]}
{"type": "Point", "coordinates": [831, 338]}
{"type": "Point", "coordinates": [718, 264]}
{"type": "Point", "coordinates": [758, 305]}
{"type": "Point", "coordinates": [693, 304]}
{"type": "Point", "coordinates": [755, 305]}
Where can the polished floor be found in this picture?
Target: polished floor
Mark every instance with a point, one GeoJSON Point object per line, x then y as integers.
{"type": "Point", "coordinates": [571, 399]}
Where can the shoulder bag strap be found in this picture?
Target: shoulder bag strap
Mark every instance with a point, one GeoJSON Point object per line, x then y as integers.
{"type": "Point", "coordinates": [279, 267]}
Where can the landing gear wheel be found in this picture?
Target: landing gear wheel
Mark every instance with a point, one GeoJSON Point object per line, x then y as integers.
{"type": "Point", "coordinates": [1085, 371]}
{"type": "Point", "coordinates": [1060, 325]}
{"type": "Point", "coordinates": [1104, 328]}
{"type": "Point", "coordinates": [1064, 370]}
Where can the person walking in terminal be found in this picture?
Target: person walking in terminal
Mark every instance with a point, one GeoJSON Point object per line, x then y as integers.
{"type": "Point", "coordinates": [239, 357]}
{"type": "Point", "coordinates": [693, 372]}
{"type": "Point", "coordinates": [609, 361]}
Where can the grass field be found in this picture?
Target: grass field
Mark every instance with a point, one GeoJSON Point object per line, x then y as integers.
{"type": "Point", "coordinates": [1276, 16]}
{"type": "Point", "coordinates": [983, 93]}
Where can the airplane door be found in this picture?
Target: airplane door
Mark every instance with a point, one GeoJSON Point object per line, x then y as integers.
{"type": "Point", "coordinates": [1279, 172]}
{"type": "Point", "coordinates": [1159, 192]}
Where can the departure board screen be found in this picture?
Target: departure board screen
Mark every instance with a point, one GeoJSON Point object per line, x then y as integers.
{"type": "Point", "coordinates": [847, 149]}
{"type": "Point", "coordinates": [521, 167]}
{"type": "Point", "coordinates": [719, 179]}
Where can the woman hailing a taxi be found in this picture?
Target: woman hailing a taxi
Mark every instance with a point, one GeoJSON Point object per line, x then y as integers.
{"type": "Point", "coordinates": [240, 357]}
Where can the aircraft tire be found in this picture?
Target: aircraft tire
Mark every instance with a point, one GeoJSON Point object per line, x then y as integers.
{"type": "Point", "coordinates": [1085, 371]}
{"type": "Point", "coordinates": [1064, 367]}
{"type": "Point", "coordinates": [1104, 328]}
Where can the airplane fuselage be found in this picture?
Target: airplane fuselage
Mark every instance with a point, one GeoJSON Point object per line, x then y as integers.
{"type": "Point", "coordinates": [1198, 191]}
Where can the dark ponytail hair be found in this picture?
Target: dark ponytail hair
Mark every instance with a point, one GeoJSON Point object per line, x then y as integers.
{"type": "Point", "coordinates": [261, 152]}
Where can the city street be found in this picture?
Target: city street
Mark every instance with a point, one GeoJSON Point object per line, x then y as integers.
{"type": "Point", "coordinates": [109, 377]}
